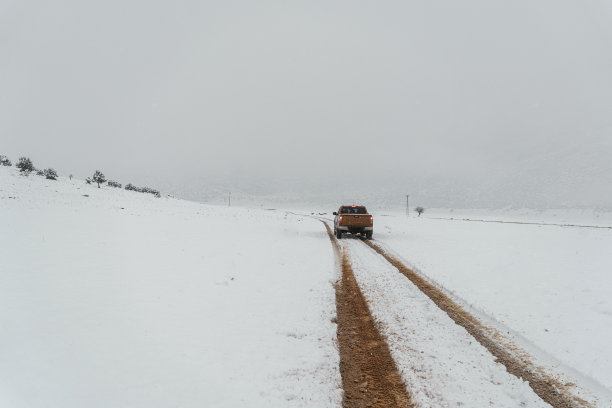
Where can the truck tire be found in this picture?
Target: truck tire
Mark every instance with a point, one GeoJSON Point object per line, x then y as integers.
{"type": "Point", "coordinates": [338, 234]}
{"type": "Point", "coordinates": [369, 234]}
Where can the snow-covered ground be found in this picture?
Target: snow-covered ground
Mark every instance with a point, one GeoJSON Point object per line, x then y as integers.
{"type": "Point", "coordinates": [442, 364]}
{"type": "Point", "coordinates": [117, 298]}
{"type": "Point", "coordinates": [121, 299]}
{"type": "Point", "coordinates": [549, 285]}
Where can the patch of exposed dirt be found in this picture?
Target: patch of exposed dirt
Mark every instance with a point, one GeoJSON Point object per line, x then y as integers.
{"type": "Point", "coordinates": [369, 375]}
{"type": "Point", "coordinates": [550, 389]}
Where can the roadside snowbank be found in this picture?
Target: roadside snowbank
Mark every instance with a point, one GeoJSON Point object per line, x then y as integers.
{"type": "Point", "coordinates": [123, 299]}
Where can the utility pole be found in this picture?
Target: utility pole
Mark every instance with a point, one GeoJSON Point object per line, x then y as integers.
{"type": "Point", "coordinates": [229, 199]}
{"type": "Point", "coordinates": [407, 205]}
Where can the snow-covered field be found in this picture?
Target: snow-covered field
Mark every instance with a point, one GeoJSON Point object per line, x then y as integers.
{"type": "Point", "coordinates": [569, 217]}
{"type": "Point", "coordinates": [121, 299]}
{"type": "Point", "coordinates": [117, 298]}
{"type": "Point", "coordinates": [549, 286]}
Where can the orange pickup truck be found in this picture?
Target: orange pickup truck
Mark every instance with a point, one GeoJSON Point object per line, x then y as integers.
{"type": "Point", "coordinates": [354, 219]}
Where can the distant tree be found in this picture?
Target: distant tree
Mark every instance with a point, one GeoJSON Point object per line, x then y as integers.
{"type": "Point", "coordinates": [25, 165]}
{"type": "Point", "coordinates": [112, 183]}
{"type": "Point", "coordinates": [70, 176]}
{"type": "Point", "coordinates": [4, 161]}
{"type": "Point", "coordinates": [99, 178]}
{"type": "Point", "coordinates": [51, 174]}
{"type": "Point", "coordinates": [419, 210]}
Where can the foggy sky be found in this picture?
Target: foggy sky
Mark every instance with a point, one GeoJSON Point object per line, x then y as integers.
{"type": "Point", "coordinates": [413, 95]}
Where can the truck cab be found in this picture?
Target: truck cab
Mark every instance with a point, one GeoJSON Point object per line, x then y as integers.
{"type": "Point", "coordinates": [353, 219]}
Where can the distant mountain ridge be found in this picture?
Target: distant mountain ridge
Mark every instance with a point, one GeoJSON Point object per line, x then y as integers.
{"type": "Point", "coordinates": [573, 177]}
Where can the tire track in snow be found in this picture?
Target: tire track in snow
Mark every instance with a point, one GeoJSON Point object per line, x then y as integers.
{"type": "Point", "coordinates": [517, 363]}
{"type": "Point", "coordinates": [369, 375]}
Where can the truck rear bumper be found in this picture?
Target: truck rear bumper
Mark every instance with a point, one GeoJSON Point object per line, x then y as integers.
{"type": "Point", "coordinates": [345, 228]}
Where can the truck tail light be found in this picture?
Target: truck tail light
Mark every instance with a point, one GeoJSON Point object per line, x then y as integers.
{"type": "Point", "coordinates": [340, 220]}
{"type": "Point", "coordinates": [371, 220]}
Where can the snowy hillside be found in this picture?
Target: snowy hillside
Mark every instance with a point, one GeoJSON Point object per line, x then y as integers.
{"type": "Point", "coordinates": [110, 298]}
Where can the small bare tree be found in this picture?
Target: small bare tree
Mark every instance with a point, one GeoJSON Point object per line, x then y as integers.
{"type": "Point", "coordinates": [419, 210]}
{"type": "Point", "coordinates": [99, 178]}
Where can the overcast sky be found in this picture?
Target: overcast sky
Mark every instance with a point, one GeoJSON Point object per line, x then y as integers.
{"type": "Point", "coordinates": [169, 91]}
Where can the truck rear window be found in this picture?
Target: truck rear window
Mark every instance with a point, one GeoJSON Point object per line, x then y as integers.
{"type": "Point", "coordinates": [353, 210]}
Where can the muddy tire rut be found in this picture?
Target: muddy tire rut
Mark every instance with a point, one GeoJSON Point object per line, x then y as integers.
{"type": "Point", "coordinates": [516, 361]}
{"type": "Point", "coordinates": [369, 375]}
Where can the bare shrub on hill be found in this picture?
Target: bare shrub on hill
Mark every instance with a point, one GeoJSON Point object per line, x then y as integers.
{"type": "Point", "coordinates": [50, 174]}
{"type": "Point", "coordinates": [25, 165]}
{"type": "Point", "coordinates": [4, 161]}
{"type": "Point", "coordinates": [148, 190]}
{"type": "Point", "coordinates": [112, 183]}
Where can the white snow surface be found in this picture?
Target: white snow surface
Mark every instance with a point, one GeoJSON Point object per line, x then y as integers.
{"type": "Point", "coordinates": [547, 286]}
{"type": "Point", "coordinates": [442, 364]}
{"type": "Point", "coordinates": [121, 299]}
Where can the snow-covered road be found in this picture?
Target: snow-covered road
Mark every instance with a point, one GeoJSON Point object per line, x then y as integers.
{"type": "Point", "coordinates": [443, 365]}
{"type": "Point", "coordinates": [548, 286]}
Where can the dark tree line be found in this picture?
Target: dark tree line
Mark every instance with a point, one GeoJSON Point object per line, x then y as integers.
{"type": "Point", "coordinates": [148, 190]}
{"type": "Point", "coordinates": [26, 166]}
{"type": "Point", "coordinates": [100, 178]}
